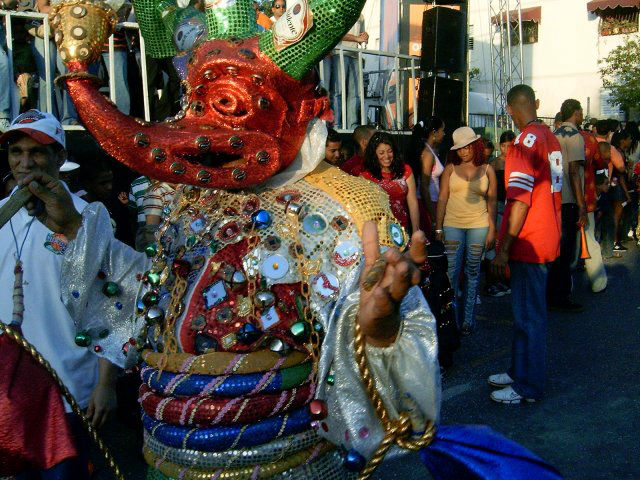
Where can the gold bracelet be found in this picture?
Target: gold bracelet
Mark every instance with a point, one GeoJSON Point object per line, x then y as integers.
{"type": "Point", "coordinates": [219, 363]}
{"type": "Point", "coordinates": [265, 470]}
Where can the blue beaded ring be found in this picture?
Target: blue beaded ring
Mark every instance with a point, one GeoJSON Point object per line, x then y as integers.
{"type": "Point", "coordinates": [189, 385]}
{"type": "Point", "coordinates": [221, 438]}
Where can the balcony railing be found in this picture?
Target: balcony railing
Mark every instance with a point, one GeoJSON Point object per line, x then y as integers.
{"type": "Point", "coordinates": [383, 91]}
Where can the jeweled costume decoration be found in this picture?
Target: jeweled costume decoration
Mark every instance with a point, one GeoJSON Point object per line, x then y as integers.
{"type": "Point", "coordinates": [243, 311]}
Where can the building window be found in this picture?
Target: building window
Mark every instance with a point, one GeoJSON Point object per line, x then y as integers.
{"type": "Point", "coordinates": [618, 21]}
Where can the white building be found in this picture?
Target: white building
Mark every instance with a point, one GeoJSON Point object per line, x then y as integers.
{"type": "Point", "coordinates": [563, 42]}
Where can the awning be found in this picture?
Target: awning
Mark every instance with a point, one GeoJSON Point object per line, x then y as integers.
{"type": "Point", "coordinates": [595, 5]}
{"type": "Point", "coordinates": [532, 14]}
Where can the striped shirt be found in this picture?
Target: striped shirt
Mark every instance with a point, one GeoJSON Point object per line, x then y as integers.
{"type": "Point", "coordinates": [157, 198]}
{"type": "Point", "coordinates": [138, 189]}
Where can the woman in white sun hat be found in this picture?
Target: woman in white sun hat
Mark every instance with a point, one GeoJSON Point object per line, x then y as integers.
{"type": "Point", "coordinates": [466, 216]}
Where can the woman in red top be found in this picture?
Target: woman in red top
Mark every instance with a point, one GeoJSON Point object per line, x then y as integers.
{"type": "Point", "coordinates": [384, 166]}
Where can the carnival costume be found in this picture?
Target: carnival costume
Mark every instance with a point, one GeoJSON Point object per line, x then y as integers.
{"type": "Point", "coordinates": [243, 313]}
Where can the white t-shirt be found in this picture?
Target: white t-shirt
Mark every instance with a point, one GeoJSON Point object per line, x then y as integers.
{"type": "Point", "coordinates": [356, 30]}
{"type": "Point", "coordinates": [47, 324]}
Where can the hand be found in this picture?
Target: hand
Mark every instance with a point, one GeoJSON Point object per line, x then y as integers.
{"type": "Point", "coordinates": [583, 219]}
{"type": "Point", "coordinates": [123, 197]}
{"type": "Point", "coordinates": [59, 214]}
{"type": "Point", "coordinates": [363, 37]}
{"type": "Point", "coordinates": [102, 404]}
{"type": "Point", "coordinates": [440, 236]}
{"type": "Point", "coordinates": [499, 266]}
{"type": "Point", "coordinates": [378, 314]}
{"type": "Point", "coordinates": [490, 242]}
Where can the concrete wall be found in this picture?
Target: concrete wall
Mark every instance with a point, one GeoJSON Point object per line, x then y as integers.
{"type": "Point", "coordinates": [562, 64]}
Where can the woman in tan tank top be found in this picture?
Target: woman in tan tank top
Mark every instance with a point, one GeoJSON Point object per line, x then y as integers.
{"type": "Point", "coordinates": [466, 217]}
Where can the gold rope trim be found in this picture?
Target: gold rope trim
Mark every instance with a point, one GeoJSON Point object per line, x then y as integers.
{"type": "Point", "coordinates": [66, 394]}
{"type": "Point", "coordinates": [397, 430]}
{"type": "Point", "coordinates": [217, 363]}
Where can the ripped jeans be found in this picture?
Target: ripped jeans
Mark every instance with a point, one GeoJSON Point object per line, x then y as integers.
{"type": "Point", "coordinates": [465, 245]}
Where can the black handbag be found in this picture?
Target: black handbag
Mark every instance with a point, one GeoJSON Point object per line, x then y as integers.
{"type": "Point", "coordinates": [437, 290]}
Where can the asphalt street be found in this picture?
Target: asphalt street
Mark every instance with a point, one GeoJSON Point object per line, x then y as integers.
{"type": "Point", "coordinates": [587, 425]}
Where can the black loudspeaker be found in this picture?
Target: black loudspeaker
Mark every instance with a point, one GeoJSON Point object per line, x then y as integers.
{"type": "Point", "coordinates": [443, 40]}
{"type": "Point", "coordinates": [441, 97]}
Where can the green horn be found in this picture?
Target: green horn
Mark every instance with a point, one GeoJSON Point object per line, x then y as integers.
{"type": "Point", "coordinates": [232, 18]}
{"type": "Point", "coordinates": [332, 19]}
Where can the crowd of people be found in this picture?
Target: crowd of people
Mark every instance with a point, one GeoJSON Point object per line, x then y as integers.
{"type": "Point", "coordinates": [163, 74]}
{"type": "Point", "coordinates": [462, 202]}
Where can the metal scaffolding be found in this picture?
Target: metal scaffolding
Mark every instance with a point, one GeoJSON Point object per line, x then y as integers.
{"type": "Point", "coordinates": [505, 25]}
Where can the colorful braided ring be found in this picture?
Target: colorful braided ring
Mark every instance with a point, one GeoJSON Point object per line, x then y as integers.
{"type": "Point", "coordinates": [216, 439]}
{"type": "Point", "coordinates": [231, 385]}
{"type": "Point", "coordinates": [325, 467]}
{"type": "Point", "coordinates": [219, 363]}
{"type": "Point", "coordinates": [207, 411]}
{"type": "Point", "coordinates": [269, 452]}
{"type": "Point", "coordinates": [264, 470]}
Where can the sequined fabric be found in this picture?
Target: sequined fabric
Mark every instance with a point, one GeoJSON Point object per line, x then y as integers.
{"type": "Point", "coordinates": [332, 18]}
{"type": "Point", "coordinates": [208, 239]}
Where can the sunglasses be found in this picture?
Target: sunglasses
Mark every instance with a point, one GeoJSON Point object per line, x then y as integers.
{"type": "Point", "coordinates": [278, 6]}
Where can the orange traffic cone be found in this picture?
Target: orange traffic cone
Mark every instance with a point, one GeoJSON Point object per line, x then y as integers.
{"type": "Point", "coordinates": [584, 249]}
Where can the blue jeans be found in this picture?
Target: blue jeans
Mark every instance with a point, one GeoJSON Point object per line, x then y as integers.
{"type": "Point", "coordinates": [529, 347]}
{"type": "Point", "coordinates": [5, 91]}
{"type": "Point", "coordinates": [121, 72]}
{"type": "Point", "coordinates": [332, 78]}
{"type": "Point", "coordinates": [61, 103]}
{"type": "Point", "coordinates": [465, 245]}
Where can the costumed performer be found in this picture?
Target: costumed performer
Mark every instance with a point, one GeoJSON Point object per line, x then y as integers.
{"type": "Point", "coordinates": [266, 349]}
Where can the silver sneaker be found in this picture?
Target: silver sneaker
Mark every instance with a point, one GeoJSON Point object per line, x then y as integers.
{"type": "Point", "coordinates": [509, 396]}
{"type": "Point", "coordinates": [500, 380]}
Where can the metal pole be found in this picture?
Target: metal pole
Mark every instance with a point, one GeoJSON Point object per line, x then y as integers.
{"type": "Point", "coordinates": [145, 82]}
{"type": "Point", "coordinates": [413, 91]}
{"type": "Point", "coordinates": [47, 67]}
{"type": "Point", "coordinates": [398, 104]}
{"type": "Point", "coordinates": [343, 97]}
{"type": "Point", "coordinates": [9, 37]}
{"type": "Point", "coordinates": [361, 89]}
{"type": "Point", "coordinates": [112, 69]}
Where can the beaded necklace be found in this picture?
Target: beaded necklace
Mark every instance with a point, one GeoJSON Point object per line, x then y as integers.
{"type": "Point", "coordinates": [18, 292]}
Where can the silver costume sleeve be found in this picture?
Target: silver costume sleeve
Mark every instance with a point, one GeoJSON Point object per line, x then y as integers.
{"type": "Point", "coordinates": [93, 259]}
{"type": "Point", "coordinates": [407, 374]}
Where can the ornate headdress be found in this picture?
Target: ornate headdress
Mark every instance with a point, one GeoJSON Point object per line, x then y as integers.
{"type": "Point", "coordinates": [249, 97]}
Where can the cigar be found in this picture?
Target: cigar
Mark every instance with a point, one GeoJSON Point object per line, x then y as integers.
{"type": "Point", "coordinates": [15, 203]}
{"type": "Point", "coordinates": [375, 274]}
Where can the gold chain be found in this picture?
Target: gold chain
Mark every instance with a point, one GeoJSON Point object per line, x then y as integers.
{"type": "Point", "coordinates": [306, 269]}
{"type": "Point", "coordinates": [66, 394]}
{"type": "Point", "coordinates": [397, 430]}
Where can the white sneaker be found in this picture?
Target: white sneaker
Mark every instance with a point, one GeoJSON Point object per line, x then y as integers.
{"type": "Point", "coordinates": [5, 123]}
{"type": "Point", "coordinates": [500, 380]}
{"type": "Point", "coordinates": [509, 396]}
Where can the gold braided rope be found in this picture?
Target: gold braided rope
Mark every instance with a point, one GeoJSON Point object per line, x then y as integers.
{"type": "Point", "coordinates": [397, 430]}
{"type": "Point", "coordinates": [66, 394]}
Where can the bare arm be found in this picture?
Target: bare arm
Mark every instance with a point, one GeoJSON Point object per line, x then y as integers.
{"type": "Point", "coordinates": [426, 162]}
{"type": "Point", "coordinates": [443, 199]}
{"type": "Point", "coordinates": [492, 201]}
{"type": "Point", "coordinates": [43, 6]}
{"type": "Point", "coordinates": [412, 203]}
{"type": "Point", "coordinates": [515, 221]}
{"type": "Point", "coordinates": [103, 400]}
{"type": "Point", "coordinates": [576, 186]}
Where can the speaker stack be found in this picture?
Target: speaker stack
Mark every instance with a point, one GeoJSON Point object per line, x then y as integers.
{"type": "Point", "coordinates": [443, 55]}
